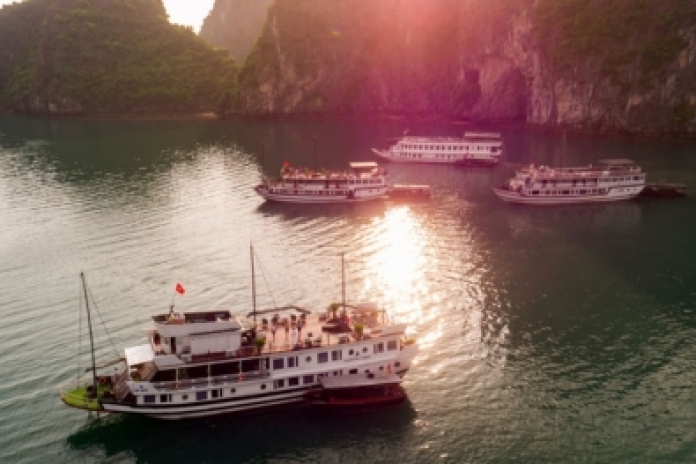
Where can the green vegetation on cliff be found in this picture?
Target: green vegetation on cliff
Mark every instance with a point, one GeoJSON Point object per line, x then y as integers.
{"type": "Point", "coordinates": [116, 55]}
{"type": "Point", "coordinates": [631, 41]}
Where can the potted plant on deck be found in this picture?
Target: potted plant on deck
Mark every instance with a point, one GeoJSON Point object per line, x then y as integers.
{"type": "Point", "coordinates": [260, 343]}
{"type": "Point", "coordinates": [358, 328]}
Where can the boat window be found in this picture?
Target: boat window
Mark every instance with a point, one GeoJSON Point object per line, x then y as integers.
{"type": "Point", "coordinates": [307, 379]}
{"type": "Point", "coordinates": [391, 345]}
{"type": "Point", "coordinates": [397, 364]}
{"type": "Point", "coordinates": [233, 390]}
{"type": "Point", "coordinates": [494, 149]}
{"type": "Point", "coordinates": [535, 192]}
{"type": "Point", "coordinates": [308, 359]}
{"type": "Point", "coordinates": [278, 363]}
{"type": "Point", "coordinates": [364, 349]}
{"type": "Point", "coordinates": [353, 371]}
{"type": "Point", "coordinates": [336, 355]}
{"type": "Point", "coordinates": [337, 373]}
{"type": "Point", "coordinates": [165, 398]}
{"type": "Point", "coordinates": [293, 381]}
{"type": "Point", "coordinates": [323, 357]}
{"type": "Point", "coordinates": [216, 393]}
{"type": "Point", "coordinates": [566, 192]}
{"type": "Point", "coordinates": [185, 397]}
{"type": "Point", "coordinates": [379, 347]}
{"type": "Point", "coordinates": [201, 395]}
{"type": "Point", "coordinates": [149, 399]}
{"type": "Point", "coordinates": [280, 383]}
{"type": "Point", "coordinates": [224, 369]}
{"type": "Point", "coordinates": [292, 361]}
{"type": "Point", "coordinates": [263, 386]}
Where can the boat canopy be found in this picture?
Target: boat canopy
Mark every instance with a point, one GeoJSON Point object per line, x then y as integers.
{"type": "Point", "coordinates": [359, 380]}
{"type": "Point", "coordinates": [139, 354]}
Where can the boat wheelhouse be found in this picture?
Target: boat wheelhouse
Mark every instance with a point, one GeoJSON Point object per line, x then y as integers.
{"type": "Point", "coordinates": [474, 148]}
{"type": "Point", "coordinates": [198, 364]}
{"type": "Point", "coordinates": [363, 181]}
{"type": "Point", "coordinates": [357, 392]}
{"type": "Point", "coordinates": [610, 180]}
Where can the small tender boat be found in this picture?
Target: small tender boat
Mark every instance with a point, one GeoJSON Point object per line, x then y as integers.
{"type": "Point", "coordinates": [363, 181]}
{"type": "Point", "coordinates": [474, 148]}
{"type": "Point", "coordinates": [611, 180]}
{"type": "Point", "coordinates": [357, 392]}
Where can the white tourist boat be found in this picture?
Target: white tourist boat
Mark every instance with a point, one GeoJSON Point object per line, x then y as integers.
{"type": "Point", "coordinates": [363, 181]}
{"type": "Point", "coordinates": [197, 364]}
{"type": "Point", "coordinates": [610, 180]}
{"type": "Point", "coordinates": [475, 148]}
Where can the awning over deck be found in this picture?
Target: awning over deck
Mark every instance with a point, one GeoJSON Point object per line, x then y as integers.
{"type": "Point", "coordinates": [363, 165]}
{"type": "Point", "coordinates": [139, 354]}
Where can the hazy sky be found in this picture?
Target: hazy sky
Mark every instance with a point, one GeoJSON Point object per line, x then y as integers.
{"type": "Point", "coordinates": [187, 12]}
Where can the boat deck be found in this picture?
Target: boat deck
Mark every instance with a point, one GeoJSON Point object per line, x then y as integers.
{"type": "Point", "coordinates": [318, 330]}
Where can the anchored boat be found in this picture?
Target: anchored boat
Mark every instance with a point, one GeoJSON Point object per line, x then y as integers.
{"type": "Point", "coordinates": [203, 363]}
{"type": "Point", "coordinates": [363, 181]}
{"type": "Point", "coordinates": [610, 180]}
{"type": "Point", "coordinates": [474, 148]}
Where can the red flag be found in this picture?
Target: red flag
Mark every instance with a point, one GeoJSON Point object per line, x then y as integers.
{"type": "Point", "coordinates": [180, 289]}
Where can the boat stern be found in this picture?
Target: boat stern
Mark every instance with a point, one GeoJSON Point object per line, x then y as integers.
{"type": "Point", "coordinates": [82, 396]}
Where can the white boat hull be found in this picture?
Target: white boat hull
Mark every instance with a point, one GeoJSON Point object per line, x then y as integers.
{"type": "Point", "coordinates": [425, 159]}
{"type": "Point", "coordinates": [314, 198]}
{"type": "Point", "coordinates": [549, 200]}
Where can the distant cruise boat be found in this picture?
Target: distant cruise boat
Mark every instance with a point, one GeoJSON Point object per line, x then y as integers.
{"type": "Point", "coordinates": [364, 181]}
{"type": "Point", "coordinates": [475, 148]}
{"type": "Point", "coordinates": [611, 180]}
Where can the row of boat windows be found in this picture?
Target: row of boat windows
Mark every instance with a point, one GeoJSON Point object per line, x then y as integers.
{"type": "Point", "coordinates": [333, 181]}
{"type": "Point", "coordinates": [311, 192]}
{"type": "Point", "coordinates": [309, 379]}
{"type": "Point", "coordinates": [255, 365]}
{"type": "Point", "coordinates": [418, 155]}
{"type": "Point", "coordinates": [569, 192]}
{"type": "Point", "coordinates": [449, 148]}
{"type": "Point", "coordinates": [611, 179]}
{"type": "Point", "coordinates": [336, 355]}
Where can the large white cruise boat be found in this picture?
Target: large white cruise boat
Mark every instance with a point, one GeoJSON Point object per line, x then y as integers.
{"type": "Point", "coordinates": [363, 181]}
{"type": "Point", "coordinates": [197, 364]}
{"type": "Point", "coordinates": [610, 180]}
{"type": "Point", "coordinates": [475, 148]}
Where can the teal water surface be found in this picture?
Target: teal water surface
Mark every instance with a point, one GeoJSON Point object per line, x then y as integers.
{"type": "Point", "coordinates": [555, 334]}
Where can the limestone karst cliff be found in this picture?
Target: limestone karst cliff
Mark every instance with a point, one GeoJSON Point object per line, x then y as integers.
{"type": "Point", "coordinates": [600, 65]}
{"type": "Point", "coordinates": [95, 56]}
{"type": "Point", "coordinates": [235, 24]}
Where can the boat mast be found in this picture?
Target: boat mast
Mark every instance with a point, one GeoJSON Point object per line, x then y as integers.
{"type": "Point", "coordinates": [253, 282]}
{"type": "Point", "coordinates": [91, 336]}
{"type": "Point", "coordinates": [343, 279]}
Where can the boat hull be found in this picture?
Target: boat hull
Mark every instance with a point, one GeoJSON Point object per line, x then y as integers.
{"type": "Point", "coordinates": [515, 197]}
{"type": "Point", "coordinates": [319, 199]}
{"type": "Point", "coordinates": [459, 161]}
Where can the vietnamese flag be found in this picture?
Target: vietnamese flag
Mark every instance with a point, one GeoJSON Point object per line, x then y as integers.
{"type": "Point", "coordinates": [180, 289]}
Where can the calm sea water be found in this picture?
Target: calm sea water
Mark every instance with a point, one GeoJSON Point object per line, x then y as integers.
{"type": "Point", "coordinates": [547, 335]}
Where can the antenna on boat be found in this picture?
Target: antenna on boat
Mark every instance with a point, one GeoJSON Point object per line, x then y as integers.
{"type": "Point", "coordinates": [253, 282]}
{"type": "Point", "coordinates": [91, 336]}
{"type": "Point", "coordinates": [343, 279]}
{"type": "Point", "coordinates": [316, 155]}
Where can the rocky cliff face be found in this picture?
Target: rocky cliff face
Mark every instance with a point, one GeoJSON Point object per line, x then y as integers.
{"type": "Point", "coordinates": [599, 65]}
{"type": "Point", "coordinates": [235, 24]}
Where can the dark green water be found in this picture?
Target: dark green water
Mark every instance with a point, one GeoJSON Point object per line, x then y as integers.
{"type": "Point", "coordinates": [547, 335]}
